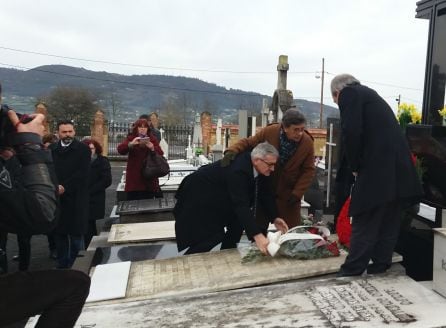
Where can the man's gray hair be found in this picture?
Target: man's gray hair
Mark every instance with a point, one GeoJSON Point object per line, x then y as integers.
{"type": "Point", "coordinates": [341, 81]}
{"type": "Point", "coordinates": [264, 149]}
{"type": "Point", "coordinates": [293, 117]}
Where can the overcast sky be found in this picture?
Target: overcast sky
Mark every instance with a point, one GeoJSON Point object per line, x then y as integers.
{"type": "Point", "coordinates": [380, 41]}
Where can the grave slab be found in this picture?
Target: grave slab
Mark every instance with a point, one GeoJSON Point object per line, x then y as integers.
{"type": "Point", "coordinates": [390, 300]}
{"type": "Point", "coordinates": [138, 232]}
{"type": "Point", "coordinates": [109, 281]}
{"type": "Point", "coordinates": [134, 253]}
{"type": "Point", "coordinates": [217, 271]}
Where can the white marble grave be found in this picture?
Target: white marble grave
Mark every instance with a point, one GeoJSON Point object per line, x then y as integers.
{"type": "Point", "coordinates": [109, 281]}
{"type": "Point", "coordinates": [139, 232]}
{"type": "Point", "coordinates": [390, 301]}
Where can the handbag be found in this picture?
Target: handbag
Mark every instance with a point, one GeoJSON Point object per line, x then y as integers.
{"type": "Point", "coordinates": [155, 166]}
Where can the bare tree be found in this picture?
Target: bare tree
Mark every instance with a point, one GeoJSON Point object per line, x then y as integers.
{"type": "Point", "coordinates": [73, 103]}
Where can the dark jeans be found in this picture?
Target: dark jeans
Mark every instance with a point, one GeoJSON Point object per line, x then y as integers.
{"type": "Point", "coordinates": [374, 236]}
{"type": "Point", "coordinates": [58, 295]}
{"type": "Point", "coordinates": [68, 247]}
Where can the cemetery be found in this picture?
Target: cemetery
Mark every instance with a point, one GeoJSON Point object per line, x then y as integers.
{"type": "Point", "coordinates": [139, 279]}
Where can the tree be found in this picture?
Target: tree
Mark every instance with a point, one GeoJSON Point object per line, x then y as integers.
{"type": "Point", "coordinates": [170, 113]}
{"type": "Point", "coordinates": [73, 103]}
{"type": "Point", "coordinates": [113, 104]}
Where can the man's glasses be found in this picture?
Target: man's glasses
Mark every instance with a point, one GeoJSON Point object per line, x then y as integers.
{"type": "Point", "coordinates": [270, 165]}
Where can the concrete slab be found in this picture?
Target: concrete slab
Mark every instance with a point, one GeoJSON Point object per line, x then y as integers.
{"type": "Point", "coordinates": [139, 232]}
{"type": "Point", "coordinates": [217, 271]}
{"type": "Point", "coordinates": [373, 301]}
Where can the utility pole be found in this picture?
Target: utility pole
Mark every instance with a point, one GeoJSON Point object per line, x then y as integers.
{"type": "Point", "coordinates": [322, 94]}
{"type": "Point", "coordinates": [398, 100]}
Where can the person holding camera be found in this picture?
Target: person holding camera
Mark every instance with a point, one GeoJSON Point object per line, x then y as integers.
{"type": "Point", "coordinates": [138, 144]}
{"type": "Point", "coordinates": [28, 204]}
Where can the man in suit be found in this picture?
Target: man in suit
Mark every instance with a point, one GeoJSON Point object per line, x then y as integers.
{"type": "Point", "coordinates": [215, 204]}
{"type": "Point", "coordinates": [294, 170]}
{"type": "Point", "coordinates": [378, 156]}
{"type": "Point", "coordinates": [72, 164]}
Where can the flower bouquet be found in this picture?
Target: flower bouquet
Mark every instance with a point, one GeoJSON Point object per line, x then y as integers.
{"type": "Point", "coordinates": [301, 242]}
{"type": "Point", "coordinates": [442, 113]}
{"type": "Point", "coordinates": [408, 114]}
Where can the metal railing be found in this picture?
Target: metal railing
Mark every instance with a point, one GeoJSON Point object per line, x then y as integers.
{"type": "Point", "coordinates": [176, 137]}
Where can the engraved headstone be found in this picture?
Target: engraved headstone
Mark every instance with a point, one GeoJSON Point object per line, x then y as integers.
{"type": "Point", "coordinates": [391, 301]}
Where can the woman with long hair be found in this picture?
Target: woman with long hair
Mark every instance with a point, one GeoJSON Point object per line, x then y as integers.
{"type": "Point", "coordinates": [138, 144]}
{"type": "Point", "coordinates": [100, 178]}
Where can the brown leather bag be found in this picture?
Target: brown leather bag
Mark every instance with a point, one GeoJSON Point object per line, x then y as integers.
{"type": "Point", "coordinates": [155, 166]}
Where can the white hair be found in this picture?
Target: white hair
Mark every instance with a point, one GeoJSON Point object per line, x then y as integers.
{"type": "Point", "coordinates": [341, 81]}
{"type": "Point", "coordinates": [264, 149]}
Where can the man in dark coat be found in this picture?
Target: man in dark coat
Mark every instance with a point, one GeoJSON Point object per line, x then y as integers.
{"type": "Point", "coordinates": [215, 204]}
{"type": "Point", "coordinates": [295, 168]}
{"type": "Point", "coordinates": [72, 164]}
{"type": "Point", "coordinates": [379, 158]}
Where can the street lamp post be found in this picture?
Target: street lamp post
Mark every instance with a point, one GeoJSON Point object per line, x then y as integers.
{"type": "Point", "coordinates": [322, 94]}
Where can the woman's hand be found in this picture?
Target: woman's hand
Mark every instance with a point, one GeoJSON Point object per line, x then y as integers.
{"type": "Point", "coordinates": [150, 146]}
{"type": "Point", "coordinates": [135, 141]}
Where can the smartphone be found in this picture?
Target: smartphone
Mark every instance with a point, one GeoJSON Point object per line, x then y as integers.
{"type": "Point", "coordinates": [144, 140]}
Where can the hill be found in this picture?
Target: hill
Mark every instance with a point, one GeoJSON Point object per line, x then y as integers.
{"type": "Point", "coordinates": [138, 94]}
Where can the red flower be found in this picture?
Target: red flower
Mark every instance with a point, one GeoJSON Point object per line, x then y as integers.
{"type": "Point", "coordinates": [414, 158]}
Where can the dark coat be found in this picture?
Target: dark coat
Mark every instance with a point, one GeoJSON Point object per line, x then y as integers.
{"type": "Point", "coordinates": [376, 148]}
{"type": "Point", "coordinates": [134, 181]}
{"type": "Point", "coordinates": [72, 166]}
{"type": "Point", "coordinates": [210, 197]}
{"type": "Point", "coordinates": [293, 178]}
{"type": "Point", "coordinates": [100, 179]}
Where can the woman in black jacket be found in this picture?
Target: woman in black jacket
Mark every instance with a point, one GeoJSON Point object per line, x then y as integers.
{"type": "Point", "coordinates": [99, 179]}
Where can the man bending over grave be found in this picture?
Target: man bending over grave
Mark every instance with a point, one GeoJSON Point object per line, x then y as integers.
{"type": "Point", "coordinates": [215, 204]}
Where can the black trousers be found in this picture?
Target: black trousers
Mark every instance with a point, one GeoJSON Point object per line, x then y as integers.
{"type": "Point", "coordinates": [374, 236]}
{"type": "Point", "coordinates": [57, 295]}
{"type": "Point", "coordinates": [228, 239]}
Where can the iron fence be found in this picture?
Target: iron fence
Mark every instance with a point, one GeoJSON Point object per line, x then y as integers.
{"type": "Point", "coordinates": [176, 137]}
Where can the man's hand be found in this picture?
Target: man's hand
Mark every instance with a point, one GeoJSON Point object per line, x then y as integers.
{"type": "Point", "coordinates": [262, 243]}
{"type": "Point", "coordinates": [293, 200]}
{"type": "Point", "coordinates": [34, 126]}
{"type": "Point", "coordinates": [281, 225]}
{"type": "Point", "coordinates": [228, 158]}
{"type": "Point", "coordinates": [61, 190]}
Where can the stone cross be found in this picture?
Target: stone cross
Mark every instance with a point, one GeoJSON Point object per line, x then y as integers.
{"type": "Point", "coordinates": [218, 132]}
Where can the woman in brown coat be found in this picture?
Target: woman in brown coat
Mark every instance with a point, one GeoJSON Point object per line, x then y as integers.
{"type": "Point", "coordinates": [294, 171]}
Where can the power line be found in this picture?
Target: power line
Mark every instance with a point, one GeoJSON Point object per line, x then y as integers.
{"type": "Point", "coordinates": [386, 84]}
{"type": "Point", "coordinates": [228, 93]}
{"type": "Point", "coordinates": [146, 66]}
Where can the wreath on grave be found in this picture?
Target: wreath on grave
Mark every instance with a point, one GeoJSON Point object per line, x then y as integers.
{"type": "Point", "coordinates": [301, 242]}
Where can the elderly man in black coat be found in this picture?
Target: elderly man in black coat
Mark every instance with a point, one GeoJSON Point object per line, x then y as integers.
{"type": "Point", "coordinates": [72, 164]}
{"type": "Point", "coordinates": [378, 156]}
{"type": "Point", "coordinates": [215, 204]}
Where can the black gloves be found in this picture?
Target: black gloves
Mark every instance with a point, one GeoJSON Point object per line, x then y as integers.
{"type": "Point", "coordinates": [228, 158]}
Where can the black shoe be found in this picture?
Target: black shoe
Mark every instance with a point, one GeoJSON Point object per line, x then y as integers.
{"type": "Point", "coordinates": [347, 274]}
{"type": "Point", "coordinates": [377, 268]}
{"type": "Point", "coordinates": [16, 258]}
{"type": "Point", "coordinates": [53, 254]}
